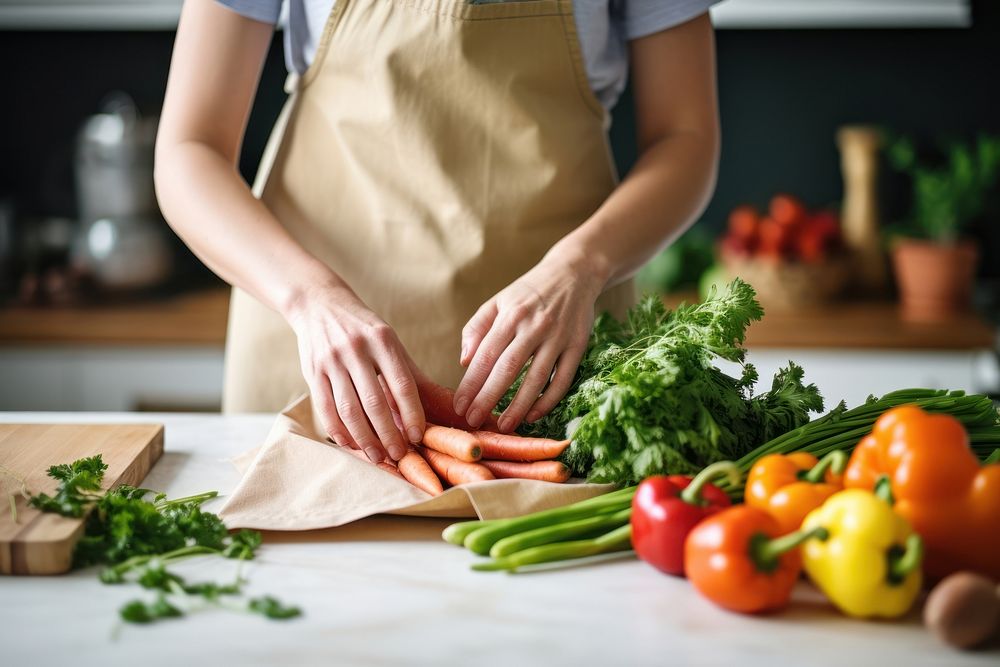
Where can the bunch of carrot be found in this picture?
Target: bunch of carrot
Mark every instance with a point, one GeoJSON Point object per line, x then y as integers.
{"type": "Point", "coordinates": [452, 456]}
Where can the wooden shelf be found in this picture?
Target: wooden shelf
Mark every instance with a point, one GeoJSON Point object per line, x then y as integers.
{"type": "Point", "coordinates": [865, 325]}
{"type": "Point", "coordinates": [191, 319]}
{"type": "Point", "coordinates": [199, 319]}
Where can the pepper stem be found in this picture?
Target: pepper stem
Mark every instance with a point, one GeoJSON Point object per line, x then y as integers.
{"type": "Point", "coordinates": [902, 563]}
{"type": "Point", "coordinates": [883, 490]}
{"type": "Point", "coordinates": [766, 552]}
{"type": "Point", "coordinates": [692, 492]}
{"type": "Point", "coordinates": [835, 461]}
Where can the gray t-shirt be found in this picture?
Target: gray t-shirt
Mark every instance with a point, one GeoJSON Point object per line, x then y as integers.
{"type": "Point", "coordinates": [605, 27]}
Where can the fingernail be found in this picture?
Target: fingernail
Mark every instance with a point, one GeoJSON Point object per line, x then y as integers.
{"type": "Point", "coordinates": [465, 349]}
{"type": "Point", "coordinates": [374, 454]}
{"type": "Point", "coordinates": [414, 434]}
{"type": "Point", "coordinates": [461, 403]}
{"type": "Point", "coordinates": [532, 416]}
{"type": "Point", "coordinates": [505, 424]}
{"type": "Point", "coordinates": [475, 417]}
{"type": "Point", "coordinates": [396, 452]}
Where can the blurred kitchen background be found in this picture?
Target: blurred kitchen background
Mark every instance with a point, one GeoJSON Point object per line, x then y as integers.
{"type": "Point", "coordinates": [875, 120]}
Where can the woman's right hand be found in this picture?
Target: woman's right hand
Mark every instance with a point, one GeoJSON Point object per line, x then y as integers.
{"type": "Point", "coordinates": [344, 349]}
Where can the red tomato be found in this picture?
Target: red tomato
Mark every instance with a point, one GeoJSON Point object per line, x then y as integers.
{"type": "Point", "coordinates": [776, 240]}
{"type": "Point", "coordinates": [811, 246]}
{"type": "Point", "coordinates": [787, 210]}
{"type": "Point", "coordinates": [743, 222]}
{"type": "Point", "coordinates": [734, 246]}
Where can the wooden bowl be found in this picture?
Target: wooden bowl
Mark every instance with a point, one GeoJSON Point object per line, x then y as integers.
{"type": "Point", "coordinates": [784, 285]}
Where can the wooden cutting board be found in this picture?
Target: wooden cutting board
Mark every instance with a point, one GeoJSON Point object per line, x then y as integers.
{"type": "Point", "coordinates": [41, 543]}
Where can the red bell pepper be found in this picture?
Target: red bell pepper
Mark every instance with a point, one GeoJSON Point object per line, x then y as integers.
{"type": "Point", "coordinates": [665, 509]}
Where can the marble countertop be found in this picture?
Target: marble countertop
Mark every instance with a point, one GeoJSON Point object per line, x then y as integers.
{"type": "Point", "coordinates": [388, 591]}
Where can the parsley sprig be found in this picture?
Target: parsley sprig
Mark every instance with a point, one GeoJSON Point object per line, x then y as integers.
{"type": "Point", "coordinates": [79, 484]}
{"type": "Point", "coordinates": [136, 533]}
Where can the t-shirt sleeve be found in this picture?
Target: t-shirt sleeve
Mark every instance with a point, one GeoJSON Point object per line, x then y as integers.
{"type": "Point", "coordinates": [644, 17]}
{"type": "Point", "coordinates": [265, 11]}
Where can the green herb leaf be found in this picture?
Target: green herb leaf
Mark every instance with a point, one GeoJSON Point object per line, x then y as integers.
{"type": "Point", "coordinates": [76, 479]}
{"type": "Point", "coordinates": [272, 608]}
{"type": "Point", "coordinates": [137, 611]}
{"type": "Point", "coordinates": [243, 544]}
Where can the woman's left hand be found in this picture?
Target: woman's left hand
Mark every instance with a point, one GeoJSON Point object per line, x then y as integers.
{"type": "Point", "coordinates": [543, 317]}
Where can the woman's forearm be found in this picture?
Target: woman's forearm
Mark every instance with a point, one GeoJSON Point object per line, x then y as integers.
{"type": "Point", "coordinates": [216, 64]}
{"type": "Point", "coordinates": [355, 366]}
{"type": "Point", "coordinates": [664, 193]}
{"type": "Point", "coordinates": [211, 208]}
{"type": "Point", "coordinates": [677, 121]}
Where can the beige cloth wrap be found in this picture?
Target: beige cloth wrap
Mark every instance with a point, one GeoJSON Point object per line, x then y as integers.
{"type": "Point", "coordinates": [298, 481]}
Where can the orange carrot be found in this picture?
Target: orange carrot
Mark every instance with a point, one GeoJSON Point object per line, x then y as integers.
{"type": "Point", "coordinates": [515, 448]}
{"type": "Point", "coordinates": [453, 442]}
{"type": "Point", "coordinates": [390, 468]}
{"type": "Point", "coordinates": [415, 470]}
{"type": "Point", "coordinates": [546, 471]}
{"type": "Point", "coordinates": [452, 470]}
{"type": "Point", "coordinates": [439, 406]}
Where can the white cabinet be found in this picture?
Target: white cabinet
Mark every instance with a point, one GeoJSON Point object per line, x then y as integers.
{"type": "Point", "coordinates": [851, 375]}
{"type": "Point", "coordinates": [110, 378]}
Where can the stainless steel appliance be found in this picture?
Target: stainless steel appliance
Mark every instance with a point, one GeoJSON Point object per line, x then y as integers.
{"type": "Point", "coordinates": [122, 242]}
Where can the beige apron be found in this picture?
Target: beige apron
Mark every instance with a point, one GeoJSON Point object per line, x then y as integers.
{"type": "Point", "coordinates": [431, 155]}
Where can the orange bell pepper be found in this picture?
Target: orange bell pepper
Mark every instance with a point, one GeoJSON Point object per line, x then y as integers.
{"type": "Point", "coordinates": [789, 486]}
{"type": "Point", "coordinates": [937, 484]}
{"type": "Point", "coordinates": [736, 559]}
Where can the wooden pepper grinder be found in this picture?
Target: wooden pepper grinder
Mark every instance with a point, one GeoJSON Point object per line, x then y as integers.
{"type": "Point", "coordinates": [859, 146]}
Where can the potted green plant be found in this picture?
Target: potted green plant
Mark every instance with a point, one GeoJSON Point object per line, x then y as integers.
{"type": "Point", "coordinates": [933, 259]}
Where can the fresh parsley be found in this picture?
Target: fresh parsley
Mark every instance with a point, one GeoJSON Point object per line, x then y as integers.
{"type": "Point", "coordinates": [648, 399]}
{"type": "Point", "coordinates": [136, 537]}
{"type": "Point", "coordinates": [79, 483]}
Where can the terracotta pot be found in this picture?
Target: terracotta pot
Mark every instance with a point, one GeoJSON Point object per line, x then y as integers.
{"type": "Point", "coordinates": [935, 279]}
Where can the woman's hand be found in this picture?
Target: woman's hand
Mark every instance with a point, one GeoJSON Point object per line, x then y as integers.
{"type": "Point", "coordinates": [545, 317]}
{"type": "Point", "coordinates": [358, 373]}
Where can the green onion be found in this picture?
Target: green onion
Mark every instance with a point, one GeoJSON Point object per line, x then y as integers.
{"type": "Point", "coordinates": [560, 532]}
{"type": "Point", "coordinates": [619, 539]}
{"type": "Point", "coordinates": [482, 540]}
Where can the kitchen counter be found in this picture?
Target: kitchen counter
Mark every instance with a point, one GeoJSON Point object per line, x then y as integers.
{"type": "Point", "coordinates": [388, 591]}
{"type": "Point", "coordinates": [861, 325]}
{"type": "Point", "coordinates": [199, 319]}
{"type": "Point", "coordinates": [196, 318]}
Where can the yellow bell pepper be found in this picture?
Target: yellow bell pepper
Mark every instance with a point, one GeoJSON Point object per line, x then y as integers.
{"type": "Point", "coordinates": [869, 563]}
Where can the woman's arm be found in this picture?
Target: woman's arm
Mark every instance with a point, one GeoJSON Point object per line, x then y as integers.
{"type": "Point", "coordinates": [546, 315]}
{"type": "Point", "coordinates": [343, 346]}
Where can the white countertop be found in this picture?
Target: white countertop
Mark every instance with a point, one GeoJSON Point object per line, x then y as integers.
{"type": "Point", "coordinates": [388, 591]}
